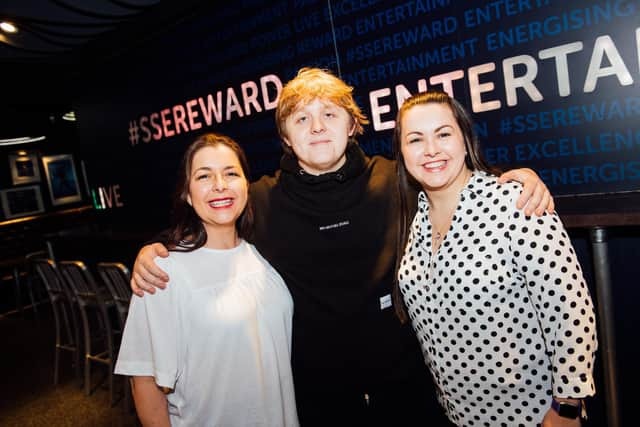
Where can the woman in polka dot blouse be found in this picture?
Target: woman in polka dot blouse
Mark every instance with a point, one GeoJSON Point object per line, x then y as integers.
{"type": "Point", "coordinates": [496, 298]}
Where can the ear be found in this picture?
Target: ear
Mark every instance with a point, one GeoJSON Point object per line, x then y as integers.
{"type": "Point", "coordinates": [286, 141]}
{"type": "Point", "coordinates": [353, 128]}
{"type": "Point", "coordinates": [189, 200]}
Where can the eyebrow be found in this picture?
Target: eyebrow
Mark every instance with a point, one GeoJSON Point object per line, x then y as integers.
{"type": "Point", "coordinates": [442, 127]}
{"type": "Point", "coordinates": [438, 129]}
{"type": "Point", "coordinates": [325, 106]}
{"type": "Point", "coordinates": [207, 168]}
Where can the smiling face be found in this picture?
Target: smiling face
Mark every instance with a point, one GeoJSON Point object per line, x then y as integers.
{"type": "Point", "coordinates": [433, 147]}
{"type": "Point", "coordinates": [218, 189]}
{"type": "Point", "coordinates": [318, 132]}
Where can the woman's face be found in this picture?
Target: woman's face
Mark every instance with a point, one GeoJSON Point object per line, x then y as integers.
{"type": "Point", "coordinates": [433, 147]}
{"type": "Point", "coordinates": [218, 189]}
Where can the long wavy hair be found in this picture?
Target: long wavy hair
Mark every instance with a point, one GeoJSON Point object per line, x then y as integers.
{"type": "Point", "coordinates": [407, 185]}
{"type": "Point", "coordinates": [187, 231]}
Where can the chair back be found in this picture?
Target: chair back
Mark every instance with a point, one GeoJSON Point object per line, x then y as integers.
{"type": "Point", "coordinates": [29, 262]}
{"type": "Point", "coordinates": [50, 276]}
{"type": "Point", "coordinates": [81, 282]}
{"type": "Point", "coordinates": [116, 277]}
{"type": "Point", "coordinates": [31, 257]}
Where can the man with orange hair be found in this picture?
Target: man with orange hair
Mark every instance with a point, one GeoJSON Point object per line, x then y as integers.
{"type": "Point", "coordinates": [328, 223]}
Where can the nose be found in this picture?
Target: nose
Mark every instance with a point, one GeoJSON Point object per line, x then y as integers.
{"type": "Point", "coordinates": [431, 148]}
{"type": "Point", "coordinates": [219, 183]}
{"type": "Point", "coordinates": [317, 125]}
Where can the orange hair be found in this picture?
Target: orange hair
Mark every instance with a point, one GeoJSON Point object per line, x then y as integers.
{"type": "Point", "coordinates": [312, 83]}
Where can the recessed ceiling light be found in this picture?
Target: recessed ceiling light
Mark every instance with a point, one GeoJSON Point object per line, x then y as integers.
{"type": "Point", "coordinates": [8, 27]}
{"type": "Point", "coordinates": [70, 116]}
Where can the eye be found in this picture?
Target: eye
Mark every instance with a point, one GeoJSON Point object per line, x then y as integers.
{"type": "Point", "coordinates": [413, 140]}
{"type": "Point", "coordinates": [301, 119]}
{"type": "Point", "coordinates": [232, 173]}
{"type": "Point", "coordinates": [202, 177]}
{"type": "Point", "coordinates": [444, 134]}
{"type": "Point", "coordinates": [329, 114]}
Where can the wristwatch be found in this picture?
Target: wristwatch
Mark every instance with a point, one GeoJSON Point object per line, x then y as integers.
{"type": "Point", "coordinates": [568, 409]}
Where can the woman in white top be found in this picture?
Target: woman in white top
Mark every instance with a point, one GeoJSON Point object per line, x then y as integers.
{"type": "Point", "coordinates": [214, 348]}
{"type": "Point", "coordinates": [497, 298]}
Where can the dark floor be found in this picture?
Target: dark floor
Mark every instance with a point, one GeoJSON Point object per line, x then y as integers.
{"type": "Point", "coordinates": [27, 394]}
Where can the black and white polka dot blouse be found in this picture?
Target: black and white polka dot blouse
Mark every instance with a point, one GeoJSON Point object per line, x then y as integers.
{"type": "Point", "coordinates": [502, 312]}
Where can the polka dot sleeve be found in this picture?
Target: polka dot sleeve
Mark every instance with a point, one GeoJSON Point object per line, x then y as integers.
{"type": "Point", "coordinates": [546, 261]}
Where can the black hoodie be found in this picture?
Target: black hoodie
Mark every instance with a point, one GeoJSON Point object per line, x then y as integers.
{"type": "Point", "coordinates": [333, 239]}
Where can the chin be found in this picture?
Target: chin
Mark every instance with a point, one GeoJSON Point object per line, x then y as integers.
{"type": "Point", "coordinates": [433, 185]}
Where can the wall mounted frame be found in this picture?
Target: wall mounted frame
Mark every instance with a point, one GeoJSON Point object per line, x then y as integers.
{"type": "Point", "coordinates": [21, 201]}
{"type": "Point", "coordinates": [24, 168]}
{"type": "Point", "coordinates": [62, 179]}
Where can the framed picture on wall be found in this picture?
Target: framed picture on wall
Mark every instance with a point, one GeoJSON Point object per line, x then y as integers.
{"type": "Point", "coordinates": [21, 201]}
{"type": "Point", "coordinates": [24, 168]}
{"type": "Point", "coordinates": [62, 179]}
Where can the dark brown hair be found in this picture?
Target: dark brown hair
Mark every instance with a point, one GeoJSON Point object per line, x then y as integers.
{"type": "Point", "coordinates": [187, 232]}
{"type": "Point", "coordinates": [406, 184]}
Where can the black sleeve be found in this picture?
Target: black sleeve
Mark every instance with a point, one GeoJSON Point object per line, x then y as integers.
{"type": "Point", "coordinates": [162, 237]}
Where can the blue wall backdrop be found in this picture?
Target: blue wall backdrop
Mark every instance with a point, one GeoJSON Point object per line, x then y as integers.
{"type": "Point", "coordinates": [553, 85]}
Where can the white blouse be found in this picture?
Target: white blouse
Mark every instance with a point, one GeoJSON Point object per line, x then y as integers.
{"type": "Point", "coordinates": [219, 335]}
{"type": "Point", "coordinates": [501, 310]}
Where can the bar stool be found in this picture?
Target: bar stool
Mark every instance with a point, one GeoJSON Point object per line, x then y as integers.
{"type": "Point", "coordinates": [116, 276]}
{"type": "Point", "coordinates": [62, 305]}
{"type": "Point", "coordinates": [10, 271]}
{"type": "Point", "coordinates": [94, 303]}
{"type": "Point", "coordinates": [31, 276]}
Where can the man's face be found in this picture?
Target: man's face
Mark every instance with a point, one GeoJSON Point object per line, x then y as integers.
{"type": "Point", "coordinates": [318, 133]}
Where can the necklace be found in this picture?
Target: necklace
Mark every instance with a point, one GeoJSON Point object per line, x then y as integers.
{"type": "Point", "coordinates": [435, 245]}
{"type": "Point", "coordinates": [437, 239]}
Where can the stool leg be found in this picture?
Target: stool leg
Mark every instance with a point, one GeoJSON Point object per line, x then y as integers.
{"type": "Point", "coordinates": [77, 343]}
{"type": "Point", "coordinates": [56, 361]}
{"type": "Point", "coordinates": [87, 352]}
{"type": "Point", "coordinates": [110, 350]}
{"type": "Point", "coordinates": [34, 307]}
{"type": "Point", "coordinates": [16, 282]}
{"type": "Point", "coordinates": [111, 389]}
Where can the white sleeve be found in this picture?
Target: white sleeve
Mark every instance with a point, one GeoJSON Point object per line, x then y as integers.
{"type": "Point", "coordinates": [150, 342]}
{"type": "Point", "coordinates": [545, 258]}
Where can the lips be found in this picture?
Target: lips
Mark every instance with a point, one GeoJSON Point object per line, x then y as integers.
{"type": "Point", "coordinates": [435, 166]}
{"type": "Point", "coordinates": [324, 141]}
{"type": "Point", "coordinates": [221, 203]}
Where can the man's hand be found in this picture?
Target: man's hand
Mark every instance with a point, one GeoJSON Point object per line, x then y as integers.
{"type": "Point", "coordinates": [146, 275]}
{"type": "Point", "coordinates": [535, 196]}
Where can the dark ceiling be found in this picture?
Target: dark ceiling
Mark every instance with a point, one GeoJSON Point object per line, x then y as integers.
{"type": "Point", "coordinates": [54, 29]}
{"type": "Point", "coordinates": [59, 41]}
